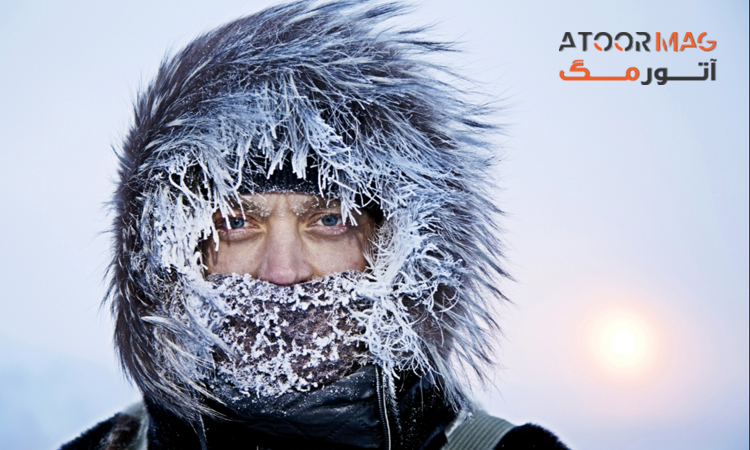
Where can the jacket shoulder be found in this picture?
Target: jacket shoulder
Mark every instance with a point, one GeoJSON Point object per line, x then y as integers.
{"type": "Point", "coordinates": [123, 431]}
{"type": "Point", "coordinates": [479, 430]}
{"type": "Point", "coordinates": [530, 437]}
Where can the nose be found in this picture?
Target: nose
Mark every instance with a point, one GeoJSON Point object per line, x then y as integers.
{"type": "Point", "coordinates": [283, 261]}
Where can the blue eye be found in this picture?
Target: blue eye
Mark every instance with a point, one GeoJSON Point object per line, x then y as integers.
{"type": "Point", "coordinates": [330, 220]}
{"type": "Point", "coordinates": [235, 223]}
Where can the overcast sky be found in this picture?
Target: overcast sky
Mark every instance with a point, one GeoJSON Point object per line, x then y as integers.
{"type": "Point", "coordinates": [627, 225]}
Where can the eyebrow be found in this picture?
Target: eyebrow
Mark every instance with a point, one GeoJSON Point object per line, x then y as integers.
{"type": "Point", "coordinates": [318, 202]}
{"type": "Point", "coordinates": [312, 203]}
{"type": "Point", "coordinates": [249, 207]}
{"type": "Point", "coordinates": [242, 206]}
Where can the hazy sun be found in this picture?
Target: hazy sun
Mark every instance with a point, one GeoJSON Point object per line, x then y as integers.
{"type": "Point", "coordinates": [623, 342]}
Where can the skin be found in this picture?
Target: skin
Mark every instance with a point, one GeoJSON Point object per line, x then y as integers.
{"type": "Point", "coordinates": [287, 239]}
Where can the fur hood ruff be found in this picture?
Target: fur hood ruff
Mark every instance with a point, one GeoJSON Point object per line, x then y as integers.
{"type": "Point", "coordinates": [331, 90]}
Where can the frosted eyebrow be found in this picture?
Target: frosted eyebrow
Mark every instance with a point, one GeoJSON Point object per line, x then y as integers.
{"type": "Point", "coordinates": [250, 207]}
{"type": "Point", "coordinates": [315, 203]}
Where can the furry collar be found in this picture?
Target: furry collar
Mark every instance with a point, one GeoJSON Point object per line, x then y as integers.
{"type": "Point", "coordinates": [310, 83]}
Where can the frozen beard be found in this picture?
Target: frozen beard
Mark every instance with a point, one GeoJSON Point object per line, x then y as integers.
{"type": "Point", "coordinates": [277, 339]}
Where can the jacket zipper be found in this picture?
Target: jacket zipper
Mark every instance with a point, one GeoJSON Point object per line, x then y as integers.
{"type": "Point", "coordinates": [383, 406]}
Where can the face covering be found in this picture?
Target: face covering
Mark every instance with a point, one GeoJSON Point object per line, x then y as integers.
{"type": "Point", "coordinates": [271, 340]}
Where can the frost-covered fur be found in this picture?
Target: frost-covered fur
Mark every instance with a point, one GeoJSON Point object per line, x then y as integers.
{"type": "Point", "coordinates": [326, 87]}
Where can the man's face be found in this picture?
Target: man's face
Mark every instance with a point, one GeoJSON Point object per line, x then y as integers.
{"type": "Point", "coordinates": [287, 239]}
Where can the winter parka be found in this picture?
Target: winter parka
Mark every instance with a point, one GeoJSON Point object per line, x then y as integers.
{"type": "Point", "coordinates": [352, 108]}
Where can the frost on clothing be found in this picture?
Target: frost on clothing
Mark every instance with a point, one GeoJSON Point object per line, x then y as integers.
{"type": "Point", "coordinates": [282, 338]}
{"type": "Point", "coordinates": [357, 108]}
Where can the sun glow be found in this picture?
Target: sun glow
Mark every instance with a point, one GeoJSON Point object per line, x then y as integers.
{"type": "Point", "coordinates": [630, 356]}
{"type": "Point", "coordinates": [624, 342]}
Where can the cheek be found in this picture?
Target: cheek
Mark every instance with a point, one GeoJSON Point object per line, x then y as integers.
{"type": "Point", "coordinates": [231, 257]}
{"type": "Point", "coordinates": [328, 258]}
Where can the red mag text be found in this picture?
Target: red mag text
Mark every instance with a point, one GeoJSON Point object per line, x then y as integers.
{"type": "Point", "coordinates": [639, 41]}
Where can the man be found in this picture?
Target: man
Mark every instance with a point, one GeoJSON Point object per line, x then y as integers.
{"type": "Point", "coordinates": [305, 247]}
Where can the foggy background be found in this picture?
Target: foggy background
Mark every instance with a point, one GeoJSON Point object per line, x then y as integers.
{"type": "Point", "coordinates": [625, 203]}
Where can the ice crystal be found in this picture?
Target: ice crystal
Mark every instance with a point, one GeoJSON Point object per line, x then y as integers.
{"type": "Point", "coordinates": [282, 338]}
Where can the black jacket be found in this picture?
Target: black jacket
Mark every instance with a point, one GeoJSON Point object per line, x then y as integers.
{"type": "Point", "coordinates": [348, 415]}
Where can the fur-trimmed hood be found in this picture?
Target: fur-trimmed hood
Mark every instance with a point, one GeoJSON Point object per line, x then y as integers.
{"type": "Point", "coordinates": [331, 91]}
